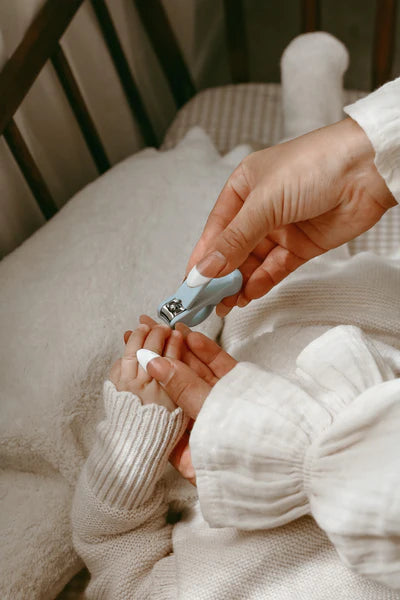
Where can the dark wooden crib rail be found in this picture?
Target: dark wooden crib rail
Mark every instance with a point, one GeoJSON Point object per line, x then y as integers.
{"type": "Point", "coordinates": [382, 59]}
{"type": "Point", "coordinates": [41, 43]}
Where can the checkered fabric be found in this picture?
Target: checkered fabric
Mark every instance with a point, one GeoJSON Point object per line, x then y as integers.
{"type": "Point", "coordinates": [251, 113]}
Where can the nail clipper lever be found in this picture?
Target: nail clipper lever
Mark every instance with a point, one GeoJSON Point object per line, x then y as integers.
{"type": "Point", "coordinates": [192, 305]}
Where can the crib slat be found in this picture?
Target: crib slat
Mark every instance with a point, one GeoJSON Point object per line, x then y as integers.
{"type": "Point", "coordinates": [25, 64]}
{"type": "Point", "coordinates": [121, 65]}
{"type": "Point", "coordinates": [385, 23]}
{"type": "Point", "coordinates": [310, 15]}
{"type": "Point", "coordinates": [29, 169]}
{"type": "Point", "coordinates": [236, 40]}
{"type": "Point", "coordinates": [166, 48]}
{"type": "Point", "coordinates": [77, 103]}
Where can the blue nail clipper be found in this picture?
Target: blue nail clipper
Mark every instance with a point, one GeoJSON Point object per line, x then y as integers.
{"type": "Point", "coordinates": [192, 305]}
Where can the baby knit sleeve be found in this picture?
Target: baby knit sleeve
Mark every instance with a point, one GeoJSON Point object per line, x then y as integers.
{"type": "Point", "coordinates": [267, 450]}
{"type": "Point", "coordinates": [378, 114]}
{"type": "Point", "coordinates": [119, 508]}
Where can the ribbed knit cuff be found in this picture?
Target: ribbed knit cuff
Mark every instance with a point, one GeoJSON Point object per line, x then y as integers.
{"type": "Point", "coordinates": [379, 116]}
{"type": "Point", "coordinates": [132, 448]}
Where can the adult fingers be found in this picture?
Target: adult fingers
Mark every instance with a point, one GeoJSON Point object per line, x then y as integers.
{"type": "Point", "coordinates": [251, 263]}
{"type": "Point", "coordinates": [228, 204]}
{"type": "Point", "coordinates": [205, 356]}
{"type": "Point", "coordinates": [185, 388]}
{"type": "Point", "coordinates": [234, 244]}
{"type": "Point", "coordinates": [292, 249]}
{"type": "Point", "coordinates": [197, 366]}
{"type": "Point", "coordinates": [181, 459]}
{"type": "Point", "coordinates": [192, 361]}
{"type": "Point", "coordinates": [185, 354]}
{"type": "Point", "coordinates": [173, 347]}
{"type": "Point", "coordinates": [238, 228]}
{"type": "Point", "coordinates": [279, 264]}
{"type": "Point", "coordinates": [208, 352]}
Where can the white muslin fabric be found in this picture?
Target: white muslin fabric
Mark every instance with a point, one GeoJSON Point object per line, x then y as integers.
{"type": "Point", "coordinates": [379, 115]}
{"type": "Point", "coordinates": [325, 441]}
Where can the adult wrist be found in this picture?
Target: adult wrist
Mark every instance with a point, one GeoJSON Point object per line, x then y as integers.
{"type": "Point", "coordinates": [359, 162]}
{"type": "Point", "coordinates": [378, 114]}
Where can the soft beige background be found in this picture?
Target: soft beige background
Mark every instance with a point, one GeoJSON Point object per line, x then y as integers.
{"type": "Point", "coordinates": [49, 126]}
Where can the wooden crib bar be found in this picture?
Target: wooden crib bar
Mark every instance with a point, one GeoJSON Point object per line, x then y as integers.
{"type": "Point", "coordinates": [166, 48]}
{"type": "Point", "coordinates": [42, 42]}
{"type": "Point", "coordinates": [236, 40]}
{"type": "Point", "coordinates": [79, 108]}
{"type": "Point", "coordinates": [125, 76]}
{"type": "Point", "coordinates": [385, 27]}
{"type": "Point", "coordinates": [39, 42]}
{"type": "Point", "coordinates": [28, 167]}
{"type": "Point", "coordinates": [16, 79]}
{"type": "Point", "coordinates": [310, 15]}
{"type": "Point", "coordinates": [235, 25]}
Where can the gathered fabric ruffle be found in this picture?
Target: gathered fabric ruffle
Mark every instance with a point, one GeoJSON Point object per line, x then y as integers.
{"type": "Point", "coordinates": [326, 442]}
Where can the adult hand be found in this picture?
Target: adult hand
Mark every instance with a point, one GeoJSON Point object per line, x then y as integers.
{"type": "Point", "coordinates": [188, 382]}
{"type": "Point", "coordinates": [287, 204]}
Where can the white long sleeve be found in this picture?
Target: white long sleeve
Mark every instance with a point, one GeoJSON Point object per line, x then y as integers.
{"type": "Point", "coordinates": [268, 449]}
{"type": "Point", "coordinates": [379, 116]}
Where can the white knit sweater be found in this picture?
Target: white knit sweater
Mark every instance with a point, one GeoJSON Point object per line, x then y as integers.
{"type": "Point", "coordinates": [307, 439]}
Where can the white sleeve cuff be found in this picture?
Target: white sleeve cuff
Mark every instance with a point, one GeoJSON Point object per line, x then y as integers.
{"type": "Point", "coordinates": [379, 116]}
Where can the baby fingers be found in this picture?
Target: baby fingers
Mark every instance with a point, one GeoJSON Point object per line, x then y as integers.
{"type": "Point", "coordinates": [173, 348]}
{"type": "Point", "coordinates": [129, 365]}
{"type": "Point", "coordinates": [136, 341]}
{"type": "Point", "coordinates": [145, 319]}
{"type": "Point", "coordinates": [115, 372]}
{"type": "Point", "coordinates": [157, 338]}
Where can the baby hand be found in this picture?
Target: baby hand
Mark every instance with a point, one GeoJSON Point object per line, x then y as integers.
{"type": "Point", "coordinates": [197, 364]}
{"type": "Point", "coordinates": [189, 380]}
{"type": "Point", "coordinates": [127, 375]}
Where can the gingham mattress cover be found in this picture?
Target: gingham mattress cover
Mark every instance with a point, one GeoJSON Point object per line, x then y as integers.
{"type": "Point", "coordinates": [251, 113]}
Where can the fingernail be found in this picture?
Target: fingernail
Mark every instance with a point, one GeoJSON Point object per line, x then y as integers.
{"type": "Point", "coordinates": [211, 264]}
{"type": "Point", "coordinates": [184, 329]}
{"type": "Point", "coordinates": [194, 279]}
{"type": "Point", "coordinates": [161, 370]}
{"type": "Point", "coordinates": [145, 356]}
{"type": "Point", "coordinates": [242, 301]}
{"type": "Point", "coordinates": [127, 335]}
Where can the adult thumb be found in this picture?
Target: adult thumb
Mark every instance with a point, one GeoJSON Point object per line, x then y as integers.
{"type": "Point", "coordinates": [233, 244]}
{"type": "Point", "coordinates": [182, 385]}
